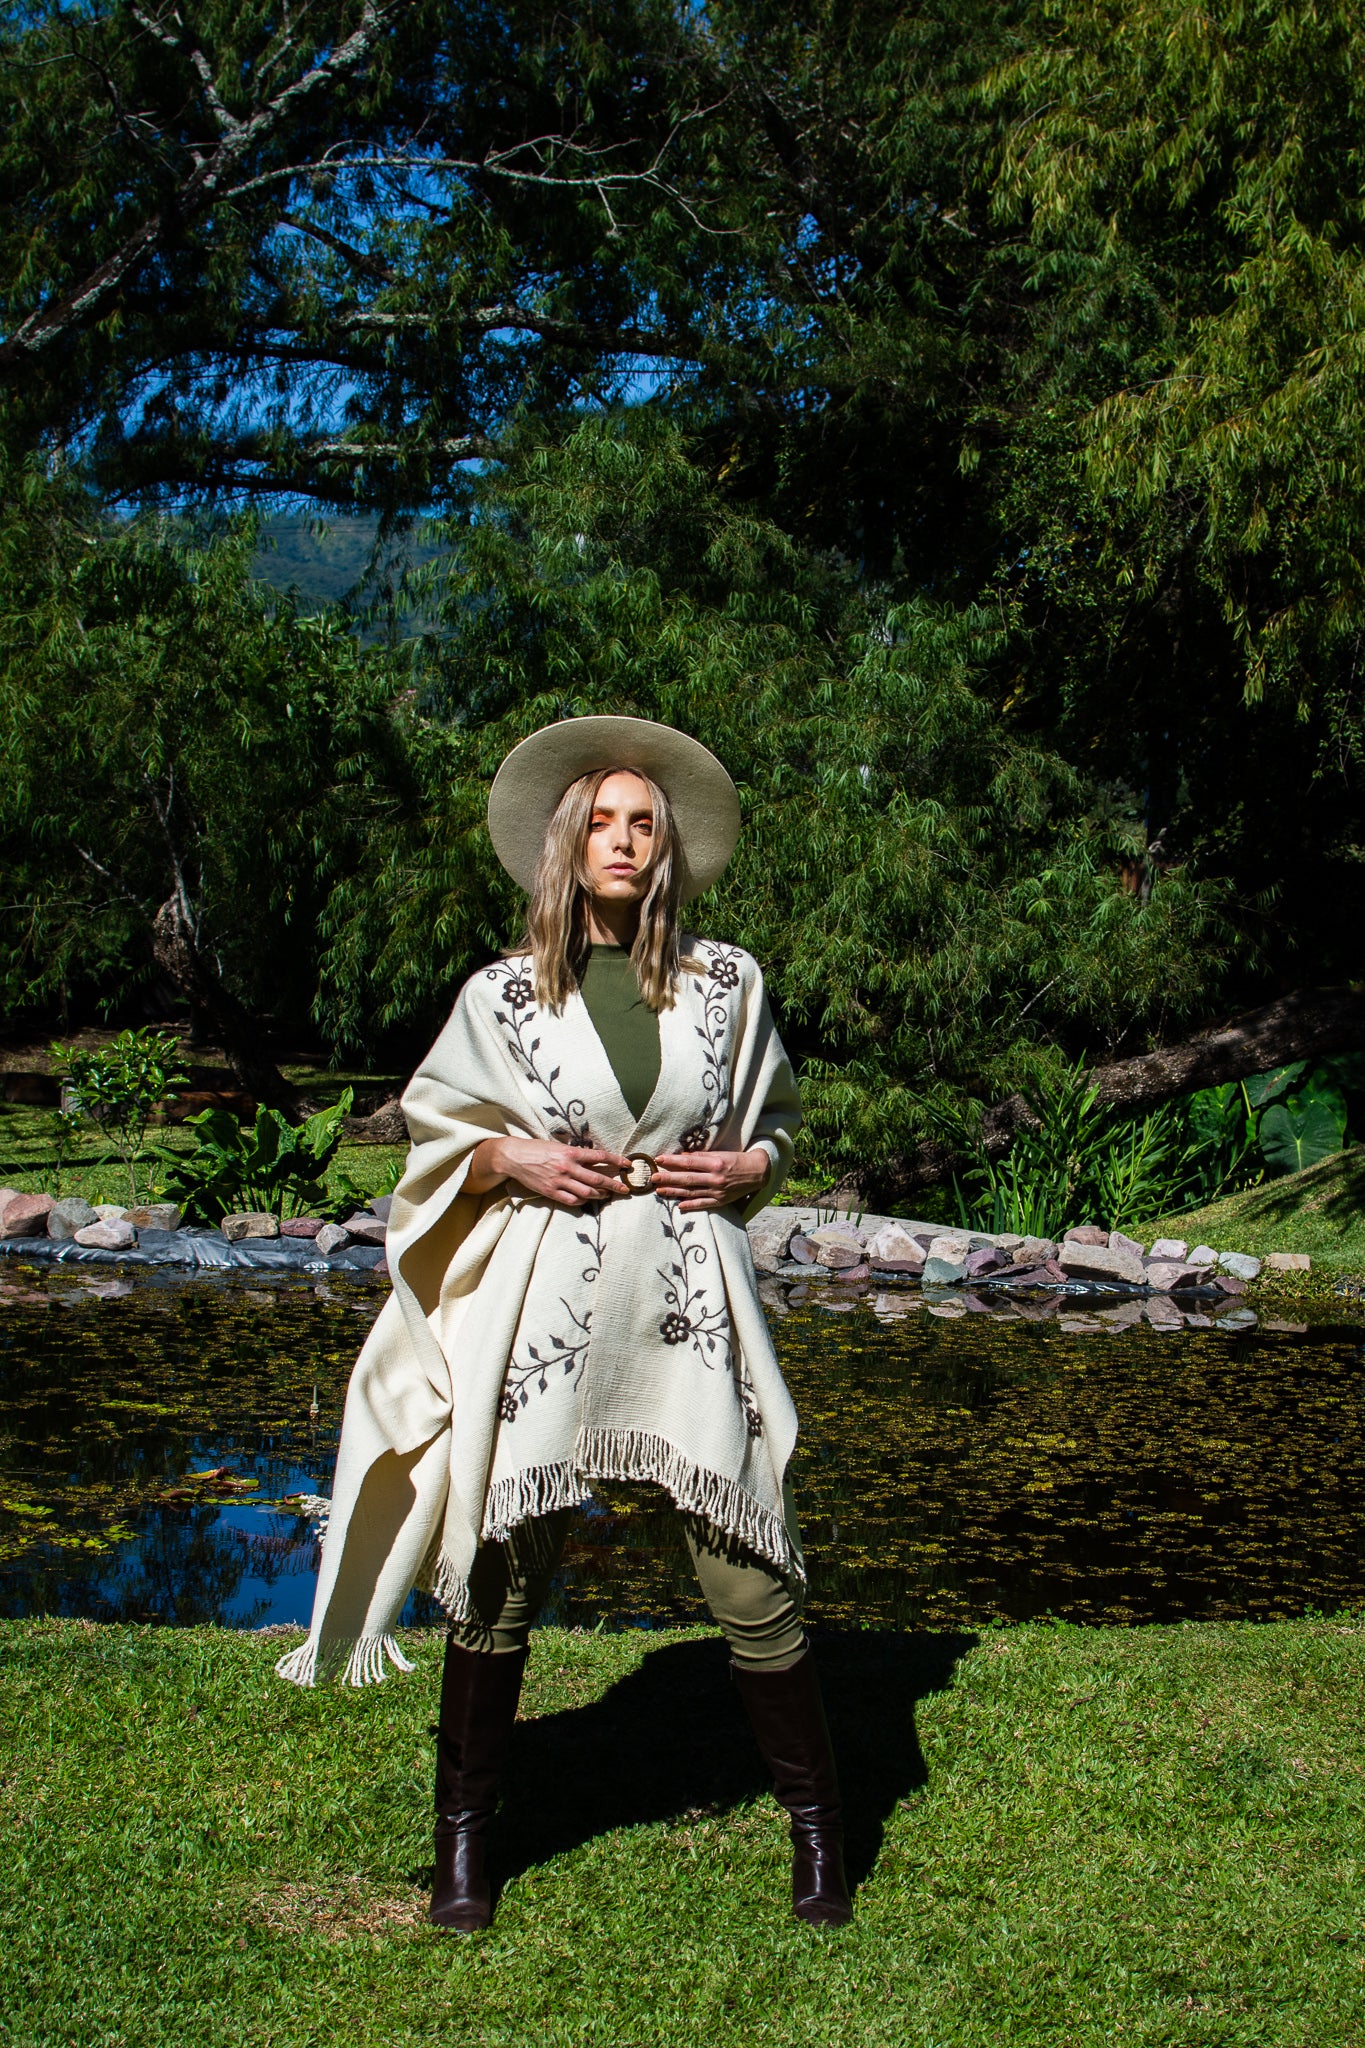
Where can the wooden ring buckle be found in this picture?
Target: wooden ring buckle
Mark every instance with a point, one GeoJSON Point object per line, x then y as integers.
{"type": "Point", "coordinates": [639, 1178]}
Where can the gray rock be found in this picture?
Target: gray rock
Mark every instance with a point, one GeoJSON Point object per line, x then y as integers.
{"type": "Point", "coordinates": [114, 1236]}
{"type": "Point", "coordinates": [380, 1206]}
{"type": "Point", "coordinates": [1086, 1233]}
{"type": "Point", "coordinates": [1237, 1319]}
{"type": "Point", "coordinates": [986, 1258]}
{"type": "Point", "coordinates": [1119, 1243]}
{"type": "Point", "coordinates": [1202, 1255]}
{"type": "Point", "coordinates": [950, 1244]}
{"type": "Point", "coordinates": [332, 1237]}
{"type": "Point", "coordinates": [836, 1254]}
{"type": "Point", "coordinates": [250, 1223]}
{"type": "Point", "coordinates": [111, 1212]}
{"type": "Point", "coordinates": [1241, 1265]}
{"type": "Point", "coordinates": [1169, 1248]}
{"type": "Point", "coordinates": [156, 1216]}
{"type": "Point", "coordinates": [1096, 1261]}
{"type": "Point", "coordinates": [940, 1271]}
{"type": "Point", "coordinates": [1036, 1248]}
{"type": "Point", "coordinates": [66, 1217]}
{"type": "Point", "coordinates": [895, 1244]}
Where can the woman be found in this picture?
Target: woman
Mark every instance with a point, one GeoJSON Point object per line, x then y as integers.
{"type": "Point", "coordinates": [573, 1295]}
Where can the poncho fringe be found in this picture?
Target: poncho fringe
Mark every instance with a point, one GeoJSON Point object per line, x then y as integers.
{"type": "Point", "coordinates": [637, 1454]}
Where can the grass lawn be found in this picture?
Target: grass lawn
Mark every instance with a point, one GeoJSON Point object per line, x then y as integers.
{"type": "Point", "coordinates": [1061, 1836]}
{"type": "Point", "coordinates": [1320, 1211]}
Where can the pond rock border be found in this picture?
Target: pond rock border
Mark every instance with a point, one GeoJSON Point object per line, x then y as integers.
{"type": "Point", "coordinates": [799, 1243]}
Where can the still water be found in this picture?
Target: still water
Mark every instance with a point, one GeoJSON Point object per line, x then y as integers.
{"type": "Point", "coordinates": [949, 1472]}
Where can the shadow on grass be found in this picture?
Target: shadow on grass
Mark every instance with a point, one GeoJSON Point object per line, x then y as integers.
{"type": "Point", "coordinates": [671, 1741]}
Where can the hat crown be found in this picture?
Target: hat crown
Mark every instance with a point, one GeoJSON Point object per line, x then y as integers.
{"type": "Point", "coordinates": [531, 782]}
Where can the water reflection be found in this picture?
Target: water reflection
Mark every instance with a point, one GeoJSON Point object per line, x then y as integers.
{"type": "Point", "coordinates": [949, 1470]}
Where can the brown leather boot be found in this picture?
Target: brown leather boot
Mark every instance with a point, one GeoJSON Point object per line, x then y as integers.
{"type": "Point", "coordinates": [479, 1693]}
{"type": "Point", "coordinates": [787, 1716]}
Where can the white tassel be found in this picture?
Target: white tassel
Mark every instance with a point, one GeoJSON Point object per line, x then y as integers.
{"type": "Point", "coordinates": [364, 1664]}
{"type": "Point", "coordinates": [299, 1666]}
{"type": "Point", "coordinates": [539, 1490]}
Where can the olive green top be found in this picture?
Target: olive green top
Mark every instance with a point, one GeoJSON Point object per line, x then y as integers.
{"type": "Point", "coordinates": [623, 1020]}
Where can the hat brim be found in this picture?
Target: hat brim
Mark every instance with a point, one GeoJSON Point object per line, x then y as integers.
{"type": "Point", "coordinates": [527, 789]}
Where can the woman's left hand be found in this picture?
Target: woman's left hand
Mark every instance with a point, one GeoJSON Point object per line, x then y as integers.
{"type": "Point", "coordinates": [710, 1180]}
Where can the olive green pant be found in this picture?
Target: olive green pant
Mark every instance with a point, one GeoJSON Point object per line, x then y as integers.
{"type": "Point", "coordinates": [758, 1611]}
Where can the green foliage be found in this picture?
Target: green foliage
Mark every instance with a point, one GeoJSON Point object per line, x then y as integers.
{"type": "Point", "coordinates": [953, 416]}
{"type": "Point", "coordinates": [1078, 1160]}
{"type": "Point", "coordinates": [171, 737]}
{"type": "Point", "coordinates": [274, 1167]}
{"type": "Point", "coordinates": [118, 1086]}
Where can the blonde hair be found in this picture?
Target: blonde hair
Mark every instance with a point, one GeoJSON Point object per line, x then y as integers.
{"type": "Point", "coordinates": [557, 919]}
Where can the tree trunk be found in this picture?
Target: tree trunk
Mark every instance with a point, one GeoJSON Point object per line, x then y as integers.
{"type": "Point", "coordinates": [1309, 1024]}
{"type": "Point", "coordinates": [232, 1025]}
{"type": "Point", "coordinates": [384, 1126]}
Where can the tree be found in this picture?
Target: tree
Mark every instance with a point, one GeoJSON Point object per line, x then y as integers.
{"type": "Point", "coordinates": [172, 743]}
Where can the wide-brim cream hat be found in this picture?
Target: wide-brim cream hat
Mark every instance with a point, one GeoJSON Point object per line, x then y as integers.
{"type": "Point", "coordinates": [528, 786]}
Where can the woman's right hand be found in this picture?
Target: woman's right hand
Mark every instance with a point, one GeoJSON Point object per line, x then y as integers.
{"type": "Point", "coordinates": [568, 1175]}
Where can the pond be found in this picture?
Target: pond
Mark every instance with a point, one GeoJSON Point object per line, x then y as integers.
{"type": "Point", "coordinates": [152, 1432]}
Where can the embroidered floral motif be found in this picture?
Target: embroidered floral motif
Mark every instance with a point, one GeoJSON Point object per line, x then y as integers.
{"type": "Point", "coordinates": [568, 1120]}
{"type": "Point", "coordinates": [722, 975]}
{"type": "Point", "coordinates": [568, 1355]}
{"type": "Point", "coordinates": [690, 1320]}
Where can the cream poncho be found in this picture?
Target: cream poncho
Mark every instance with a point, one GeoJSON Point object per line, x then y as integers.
{"type": "Point", "coordinates": [527, 1349]}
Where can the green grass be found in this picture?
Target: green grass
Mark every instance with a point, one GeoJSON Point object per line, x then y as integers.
{"type": "Point", "coordinates": [1320, 1211]}
{"type": "Point", "coordinates": [27, 1160]}
{"type": "Point", "coordinates": [1063, 1836]}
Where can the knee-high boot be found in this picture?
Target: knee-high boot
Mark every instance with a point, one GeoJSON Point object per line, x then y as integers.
{"type": "Point", "coordinates": [479, 1692]}
{"type": "Point", "coordinates": [787, 1716]}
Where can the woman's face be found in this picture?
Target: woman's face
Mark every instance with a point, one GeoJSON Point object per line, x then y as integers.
{"type": "Point", "coordinates": [620, 839]}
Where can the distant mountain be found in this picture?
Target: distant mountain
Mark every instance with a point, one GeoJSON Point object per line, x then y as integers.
{"type": "Point", "coordinates": [326, 563]}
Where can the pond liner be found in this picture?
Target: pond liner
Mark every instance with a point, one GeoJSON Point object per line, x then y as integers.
{"type": "Point", "coordinates": [202, 1251]}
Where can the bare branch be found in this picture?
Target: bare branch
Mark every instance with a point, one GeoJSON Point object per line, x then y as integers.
{"type": "Point", "coordinates": [50, 323]}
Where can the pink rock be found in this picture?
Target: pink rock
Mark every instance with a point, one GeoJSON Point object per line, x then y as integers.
{"type": "Point", "coordinates": [301, 1226]}
{"type": "Point", "coordinates": [862, 1271]}
{"type": "Point", "coordinates": [26, 1216]}
{"type": "Point", "coordinates": [108, 1237]}
{"type": "Point", "coordinates": [1119, 1243]}
{"type": "Point", "coordinates": [985, 1259]}
{"type": "Point", "coordinates": [1164, 1274]}
{"type": "Point", "coordinates": [801, 1250]}
{"type": "Point", "coordinates": [1226, 1283]}
{"type": "Point", "coordinates": [835, 1254]}
{"type": "Point", "coordinates": [1169, 1248]}
{"type": "Point", "coordinates": [1086, 1233]}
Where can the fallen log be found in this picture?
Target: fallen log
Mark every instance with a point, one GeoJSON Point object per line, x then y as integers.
{"type": "Point", "coordinates": [1307, 1024]}
{"type": "Point", "coordinates": [384, 1126]}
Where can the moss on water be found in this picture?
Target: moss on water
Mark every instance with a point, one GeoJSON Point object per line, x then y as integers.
{"type": "Point", "coordinates": [948, 1472]}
